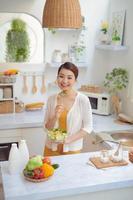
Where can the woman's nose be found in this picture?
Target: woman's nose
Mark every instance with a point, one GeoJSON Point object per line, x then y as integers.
{"type": "Point", "coordinates": [64, 80]}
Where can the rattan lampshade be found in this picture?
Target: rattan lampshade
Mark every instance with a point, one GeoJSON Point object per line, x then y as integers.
{"type": "Point", "coordinates": [62, 14]}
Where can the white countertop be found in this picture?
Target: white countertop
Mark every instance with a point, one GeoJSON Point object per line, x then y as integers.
{"type": "Point", "coordinates": [22, 120]}
{"type": "Point", "coordinates": [32, 119]}
{"type": "Point", "coordinates": [73, 177]}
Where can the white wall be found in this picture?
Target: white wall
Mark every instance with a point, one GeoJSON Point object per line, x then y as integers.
{"type": "Point", "coordinates": [98, 62]}
{"type": "Point", "coordinates": [124, 59]}
{"type": "Point", "coordinates": [93, 10]}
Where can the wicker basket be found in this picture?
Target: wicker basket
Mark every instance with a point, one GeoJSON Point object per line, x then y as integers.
{"type": "Point", "coordinates": [6, 107]}
{"type": "Point", "coordinates": [8, 79]}
{"type": "Point", "coordinates": [91, 88]}
{"type": "Point", "coordinates": [28, 178]}
{"type": "Point", "coordinates": [62, 14]}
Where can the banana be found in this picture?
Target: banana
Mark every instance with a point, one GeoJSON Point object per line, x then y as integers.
{"type": "Point", "coordinates": [34, 105]}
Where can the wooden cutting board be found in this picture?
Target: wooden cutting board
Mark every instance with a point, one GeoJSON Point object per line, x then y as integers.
{"type": "Point", "coordinates": [98, 164]}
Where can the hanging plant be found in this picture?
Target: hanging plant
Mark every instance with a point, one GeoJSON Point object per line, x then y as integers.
{"type": "Point", "coordinates": [17, 42]}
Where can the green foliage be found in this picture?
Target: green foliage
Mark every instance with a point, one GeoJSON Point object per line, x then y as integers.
{"type": "Point", "coordinates": [17, 42]}
{"type": "Point", "coordinates": [116, 37]}
{"type": "Point", "coordinates": [104, 30]}
{"type": "Point", "coordinates": [18, 25]}
{"type": "Point", "coordinates": [52, 30]}
{"type": "Point", "coordinates": [34, 163]}
{"type": "Point", "coordinates": [116, 80]}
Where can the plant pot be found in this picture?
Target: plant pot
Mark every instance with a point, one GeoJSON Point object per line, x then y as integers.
{"type": "Point", "coordinates": [104, 38]}
{"type": "Point", "coordinates": [116, 103]}
{"type": "Point", "coordinates": [116, 42]}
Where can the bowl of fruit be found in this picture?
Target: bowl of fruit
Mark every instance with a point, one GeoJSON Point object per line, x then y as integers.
{"type": "Point", "coordinates": [8, 76]}
{"type": "Point", "coordinates": [39, 169]}
{"type": "Point", "coordinates": [57, 135]}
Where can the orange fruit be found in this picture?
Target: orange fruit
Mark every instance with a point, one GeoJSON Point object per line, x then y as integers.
{"type": "Point", "coordinates": [48, 170]}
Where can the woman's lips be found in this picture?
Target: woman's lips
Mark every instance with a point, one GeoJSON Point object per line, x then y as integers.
{"type": "Point", "coordinates": [64, 85]}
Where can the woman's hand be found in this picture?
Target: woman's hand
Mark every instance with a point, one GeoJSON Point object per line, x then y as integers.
{"type": "Point", "coordinates": [68, 140]}
{"type": "Point", "coordinates": [58, 110]}
{"type": "Point", "coordinates": [75, 137]}
{"type": "Point", "coordinates": [131, 156]}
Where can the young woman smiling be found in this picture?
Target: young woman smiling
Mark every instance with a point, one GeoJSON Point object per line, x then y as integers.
{"type": "Point", "coordinates": [69, 110]}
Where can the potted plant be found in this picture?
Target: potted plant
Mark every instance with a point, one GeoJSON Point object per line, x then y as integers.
{"type": "Point", "coordinates": [17, 42]}
{"type": "Point", "coordinates": [116, 81]}
{"type": "Point", "coordinates": [116, 38]}
{"type": "Point", "coordinates": [104, 32]}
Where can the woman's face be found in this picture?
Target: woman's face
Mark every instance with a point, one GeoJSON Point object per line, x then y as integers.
{"type": "Point", "coordinates": [65, 79]}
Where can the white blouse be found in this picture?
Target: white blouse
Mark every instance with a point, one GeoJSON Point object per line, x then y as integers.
{"type": "Point", "coordinates": [78, 117]}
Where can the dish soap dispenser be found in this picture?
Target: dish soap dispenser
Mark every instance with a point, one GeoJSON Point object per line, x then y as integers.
{"type": "Point", "coordinates": [24, 153]}
{"type": "Point", "coordinates": [14, 159]}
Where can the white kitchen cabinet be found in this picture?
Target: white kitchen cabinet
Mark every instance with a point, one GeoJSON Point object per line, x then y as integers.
{"type": "Point", "coordinates": [35, 138]}
{"type": "Point", "coordinates": [10, 135]}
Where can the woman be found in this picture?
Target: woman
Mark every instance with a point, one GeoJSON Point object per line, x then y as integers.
{"type": "Point", "coordinates": [69, 110]}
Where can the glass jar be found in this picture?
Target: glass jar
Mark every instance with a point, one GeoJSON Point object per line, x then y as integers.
{"type": "Point", "coordinates": [56, 57]}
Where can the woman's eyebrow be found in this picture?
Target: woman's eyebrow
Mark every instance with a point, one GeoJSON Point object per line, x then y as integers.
{"type": "Point", "coordinates": [65, 75]}
{"type": "Point", "coordinates": [70, 75]}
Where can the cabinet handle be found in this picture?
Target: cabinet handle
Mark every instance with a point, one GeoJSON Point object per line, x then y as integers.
{"type": "Point", "coordinates": [4, 147]}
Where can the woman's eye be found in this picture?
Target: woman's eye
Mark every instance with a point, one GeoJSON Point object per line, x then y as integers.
{"type": "Point", "coordinates": [69, 78]}
{"type": "Point", "coordinates": [60, 76]}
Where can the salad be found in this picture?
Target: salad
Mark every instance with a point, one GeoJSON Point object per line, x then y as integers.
{"type": "Point", "coordinates": [57, 134]}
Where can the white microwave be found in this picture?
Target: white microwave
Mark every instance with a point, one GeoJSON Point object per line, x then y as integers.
{"type": "Point", "coordinates": [100, 103]}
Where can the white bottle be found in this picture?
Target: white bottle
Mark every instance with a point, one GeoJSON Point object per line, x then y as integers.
{"type": "Point", "coordinates": [24, 153]}
{"type": "Point", "coordinates": [14, 159]}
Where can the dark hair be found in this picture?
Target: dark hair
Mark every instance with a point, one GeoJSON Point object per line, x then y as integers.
{"type": "Point", "coordinates": [70, 66]}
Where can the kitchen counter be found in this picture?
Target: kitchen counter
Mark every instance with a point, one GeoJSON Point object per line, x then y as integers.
{"type": "Point", "coordinates": [31, 119]}
{"type": "Point", "coordinates": [27, 119]}
{"type": "Point", "coordinates": [74, 179]}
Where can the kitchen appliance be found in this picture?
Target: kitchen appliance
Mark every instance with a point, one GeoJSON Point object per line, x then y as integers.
{"type": "Point", "coordinates": [5, 149]}
{"type": "Point", "coordinates": [100, 102]}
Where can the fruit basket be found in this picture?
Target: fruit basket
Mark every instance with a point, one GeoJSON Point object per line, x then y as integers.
{"type": "Point", "coordinates": [39, 169]}
{"type": "Point", "coordinates": [28, 178]}
{"type": "Point", "coordinates": [7, 79]}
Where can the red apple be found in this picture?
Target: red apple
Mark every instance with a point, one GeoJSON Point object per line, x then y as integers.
{"type": "Point", "coordinates": [46, 160]}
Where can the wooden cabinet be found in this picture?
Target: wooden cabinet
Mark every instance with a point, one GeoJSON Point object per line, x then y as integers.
{"type": "Point", "coordinates": [7, 98]}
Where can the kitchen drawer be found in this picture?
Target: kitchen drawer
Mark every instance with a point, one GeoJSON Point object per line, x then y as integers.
{"type": "Point", "coordinates": [10, 133]}
{"type": "Point", "coordinates": [9, 139]}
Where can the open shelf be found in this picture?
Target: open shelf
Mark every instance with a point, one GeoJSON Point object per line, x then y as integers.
{"type": "Point", "coordinates": [8, 99]}
{"type": "Point", "coordinates": [56, 64]}
{"type": "Point", "coordinates": [7, 90]}
{"type": "Point", "coordinates": [111, 47]}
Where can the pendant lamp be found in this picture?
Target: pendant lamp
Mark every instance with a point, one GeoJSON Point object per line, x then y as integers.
{"type": "Point", "coordinates": [62, 14]}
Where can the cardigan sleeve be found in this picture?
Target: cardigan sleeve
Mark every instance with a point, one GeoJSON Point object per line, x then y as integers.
{"type": "Point", "coordinates": [50, 110]}
{"type": "Point", "coordinates": [87, 115]}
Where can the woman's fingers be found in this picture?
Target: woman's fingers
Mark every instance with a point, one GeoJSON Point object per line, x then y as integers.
{"type": "Point", "coordinates": [131, 156]}
{"type": "Point", "coordinates": [58, 110]}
